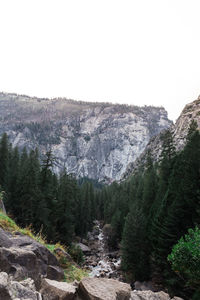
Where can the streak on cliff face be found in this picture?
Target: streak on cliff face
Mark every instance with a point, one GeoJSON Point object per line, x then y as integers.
{"type": "Point", "coordinates": [96, 140]}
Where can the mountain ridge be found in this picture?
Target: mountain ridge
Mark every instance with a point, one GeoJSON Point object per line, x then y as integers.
{"type": "Point", "coordinates": [94, 140]}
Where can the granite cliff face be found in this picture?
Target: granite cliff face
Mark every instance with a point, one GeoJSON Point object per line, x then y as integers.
{"type": "Point", "coordinates": [179, 132]}
{"type": "Point", "coordinates": [95, 140]}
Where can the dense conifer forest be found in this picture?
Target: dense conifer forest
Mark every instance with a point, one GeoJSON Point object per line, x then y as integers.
{"type": "Point", "coordinates": [148, 213]}
{"type": "Point", "coordinates": [58, 206]}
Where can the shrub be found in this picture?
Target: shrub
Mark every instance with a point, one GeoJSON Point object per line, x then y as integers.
{"type": "Point", "coordinates": [76, 253]}
{"type": "Point", "coordinates": [185, 258]}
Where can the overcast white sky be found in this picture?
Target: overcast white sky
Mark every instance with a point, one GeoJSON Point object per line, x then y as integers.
{"type": "Point", "coordinates": [126, 51]}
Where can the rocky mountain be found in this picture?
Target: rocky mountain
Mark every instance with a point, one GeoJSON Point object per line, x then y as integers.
{"type": "Point", "coordinates": [179, 132]}
{"type": "Point", "coordinates": [94, 140]}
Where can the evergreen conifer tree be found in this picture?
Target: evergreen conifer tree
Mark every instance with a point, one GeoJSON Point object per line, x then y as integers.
{"type": "Point", "coordinates": [65, 209]}
{"type": "Point", "coordinates": [4, 162]}
{"type": "Point", "coordinates": [134, 245]}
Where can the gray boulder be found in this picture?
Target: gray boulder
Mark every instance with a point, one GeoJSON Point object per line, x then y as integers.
{"type": "Point", "coordinates": [13, 290]}
{"type": "Point", "coordinates": [103, 289]}
{"type": "Point", "coordinates": [149, 295]}
{"type": "Point", "coordinates": [54, 272]}
{"type": "Point", "coordinates": [54, 290]}
{"type": "Point", "coordinates": [86, 250]}
{"type": "Point", "coordinates": [17, 290]}
{"type": "Point", "coordinates": [40, 251]}
{"type": "Point", "coordinates": [19, 263]}
{"type": "Point", "coordinates": [21, 257]}
{"type": "Point", "coordinates": [5, 239]}
{"type": "Point", "coordinates": [4, 294]}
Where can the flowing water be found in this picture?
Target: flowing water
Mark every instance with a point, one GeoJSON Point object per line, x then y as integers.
{"type": "Point", "coordinates": [104, 266]}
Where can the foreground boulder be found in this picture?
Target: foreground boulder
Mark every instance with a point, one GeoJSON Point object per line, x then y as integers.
{"type": "Point", "coordinates": [87, 289]}
{"type": "Point", "coordinates": [13, 290]}
{"type": "Point", "coordinates": [103, 289]}
{"type": "Point", "coordinates": [149, 295]}
{"type": "Point", "coordinates": [4, 293]}
{"type": "Point", "coordinates": [22, 257]}
{"type": "Point", "coordinates": [54, 290]}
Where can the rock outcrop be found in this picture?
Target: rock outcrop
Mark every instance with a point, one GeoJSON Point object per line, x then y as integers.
{"type": "Point", "coordinates": [21, 257]}
{"type": "Point", "coordinates": [179, 132]}
{"type": "Point", "coordinates": [95, 140]}
{"type": "Point", "coordinates": [14, 290]}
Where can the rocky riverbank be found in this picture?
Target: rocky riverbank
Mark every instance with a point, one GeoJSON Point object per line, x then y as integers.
{"type": "Point", "coordinates": [98, 260]}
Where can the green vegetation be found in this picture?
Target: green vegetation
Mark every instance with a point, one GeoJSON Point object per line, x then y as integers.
{"type": "Point", "coordinates": [77, 254]}
{"type": "Point", "coordinates": [185, 258]}
{"type": "Point", "coordinates": [72, 273]}
{"type": "Point", "coordinates": [54, 205]}
{"type": "Point", "coordinates": [150, 212]}
{"type": "Point", "coordinates": [147, 214]}
{"type": "Point", "coordinates": [9, 225]}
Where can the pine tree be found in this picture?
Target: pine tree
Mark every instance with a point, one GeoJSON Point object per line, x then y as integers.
{"type": "Point", "coordinates": [13, 177]}
{"type": "Point", "coordinates": [47, 197]}
{"type": "Point", "coordinates": [65, 210]}
{"type": "Point", "coordinates": [166, 164]}
{"type": "Point", "coordinates": [149, 188]}
{"type": "Point", "coordinates": [4, 162]}
{"type": "Point", "coordinates": [28, 193]}
{"type": "Point", "coordinates": [99, 202]}
{"type": "Point", "coordinates": [133, 187]}
{"type": "Point", "coordinates": [85, 209]}
{"type": "Point", "coordinates": [134, 245]}
{"type": "Point", "coordinates": [15, 203]}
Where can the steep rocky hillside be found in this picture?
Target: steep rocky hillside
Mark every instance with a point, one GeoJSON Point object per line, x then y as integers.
{"type": "Point", "coordinates": [29, 271]}
{"type": "Point", "coordinates": [95, 140]}
{"type": "Point", "coordinates": [179, 132]}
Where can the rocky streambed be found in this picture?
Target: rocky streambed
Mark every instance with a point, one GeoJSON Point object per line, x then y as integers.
{"type": "Point", "coordinates": [98, 260]}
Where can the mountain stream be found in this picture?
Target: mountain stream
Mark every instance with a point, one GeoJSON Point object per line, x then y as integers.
{"type": "Point", "coordinates": [99, 261]}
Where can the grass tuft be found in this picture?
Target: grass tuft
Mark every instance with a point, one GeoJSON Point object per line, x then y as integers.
{"type": "Point", "coordinates": [73, 272]}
